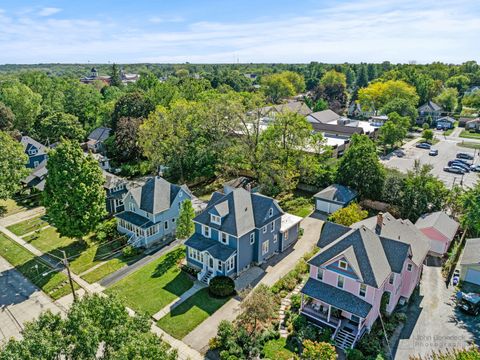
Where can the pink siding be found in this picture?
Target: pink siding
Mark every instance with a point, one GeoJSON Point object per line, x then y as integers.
{"type": "Point", "coordinates": [439, 243]}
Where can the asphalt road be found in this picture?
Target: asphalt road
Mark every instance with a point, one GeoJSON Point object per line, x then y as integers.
{"type": "Point", "coordinates": [20, 301]}
{"type": "Point", "coordinates": [447, 150]}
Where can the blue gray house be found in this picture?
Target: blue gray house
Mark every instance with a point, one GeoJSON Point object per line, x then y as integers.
{"type": "Point", "coordinates": [37, 152]}
{"type": "Point", "coordinates": [150, 211]}
{"type": "Point", "coordinates": [237, 229]}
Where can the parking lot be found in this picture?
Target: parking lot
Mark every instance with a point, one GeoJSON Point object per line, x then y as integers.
{"type": "Point", "coordinates": [447, 150]}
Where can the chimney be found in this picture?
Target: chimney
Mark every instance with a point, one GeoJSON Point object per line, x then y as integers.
{"type": "Point", "coordinates": [378, 227]}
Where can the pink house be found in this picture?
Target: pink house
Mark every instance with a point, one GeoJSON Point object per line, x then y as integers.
{"type": "Point", "coordinates": [355, 268]}
{"type": "Point", "coordinates": [440, 229]}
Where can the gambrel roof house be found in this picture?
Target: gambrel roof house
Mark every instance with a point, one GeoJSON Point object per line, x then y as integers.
{"type": "Point", "coordinates": [355, 268]}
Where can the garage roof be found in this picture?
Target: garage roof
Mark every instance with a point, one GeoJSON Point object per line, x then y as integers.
{"type": "Point", "coordinates": [471, 253]}
{"type": "Point", "coordinates": [337, 193]}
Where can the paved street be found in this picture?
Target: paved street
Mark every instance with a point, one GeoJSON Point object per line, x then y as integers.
{"type": "Point", "coordinates": [447, 150]}
{"type": "Point", "coordinates": [433, 323]}
{"type": "Point", "coordinates": [199, 337]}
{"type": "Point", "coordinates": [20, 301]}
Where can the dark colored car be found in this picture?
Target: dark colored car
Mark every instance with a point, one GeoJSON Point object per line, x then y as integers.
{"type": "Point", "coordinates": [454, 170]}
{"type": "Point", "coordinates": [465, 156]}
{"type": "Point", "coordinates": [475, 168]}
{"type": "Point", "coordinates": [433, 152]}
{"type": "Point", "coordinates": [423, 145]}
{"type": "Point", "coordinates": [460, 165]}
{"type": "Point", "coordinates": [463, 161]}
{"type": "Point", "coordinates": [470, 303]}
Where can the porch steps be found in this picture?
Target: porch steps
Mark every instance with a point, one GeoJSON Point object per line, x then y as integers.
{"type": "Point", "coordinates": [206, 278]}
{"type": "Point", "coordinates": [344, 339]}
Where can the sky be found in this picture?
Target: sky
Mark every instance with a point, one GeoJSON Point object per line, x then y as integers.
{"type": "Point", "coordinates": [228, 31]}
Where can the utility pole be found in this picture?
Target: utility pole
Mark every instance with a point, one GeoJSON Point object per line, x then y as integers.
{"type": "Point", "coordinates": [65, 263]}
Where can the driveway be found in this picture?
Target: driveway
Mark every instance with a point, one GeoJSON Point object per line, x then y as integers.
{"type": "Point", "coordinates": [20, 301]}
{"type": "Point", "coordinates": [274, 269]}
{"type": "Point", "coordinates": [433, 323]}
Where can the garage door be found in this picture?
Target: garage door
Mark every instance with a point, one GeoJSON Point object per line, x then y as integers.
{"type": "Point", "coordinates": [473, 276]}
{"type": "Point", "coordinates": [323, 206]}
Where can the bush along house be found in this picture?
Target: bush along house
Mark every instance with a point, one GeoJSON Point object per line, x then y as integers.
{"type": "Point", "coordinates": [150, 211]}
{"type": "Point", "coordinates": [380, 257]}
{"type": "Point", "coordinates": [237, 229]}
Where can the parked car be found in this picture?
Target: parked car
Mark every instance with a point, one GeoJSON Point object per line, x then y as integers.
{"type": "Point", "coordinates": [454, 170]}
{"type": "Point", "coordinates": [423, 145]}
{"type": "Point", "coordinates": [470, 303]}
{"type": "Point", "coordinates": [465, 156]}
{"type": "Point", "coordinates": [433, 152]}
{"type": "Point", "coordinates": [469, 163]}
{"type": "Point", "coordinates": [460, 165]}
{"type": "Point", "coordinates": [399, 153]}
{"type": "Point", "coordinates": [475, 168]}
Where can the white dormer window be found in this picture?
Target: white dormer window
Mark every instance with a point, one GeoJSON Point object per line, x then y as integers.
{"type": "Point", "coordinates": [270, 212]}
{"type": "Point", "coordinates": [215, 219]}
{"type": "Point", "coordinates": [342, 265]}
{"type": "Point", "coordinates": [409, 267]}
{"type": "Point", "coordinates": [224, 238]}
{"type": "Point", "coordinates": [131, 207]}
{"type": "Point", "coordinates": [206, 231]}
{"type": "Point", "coordinates": [180, 194]}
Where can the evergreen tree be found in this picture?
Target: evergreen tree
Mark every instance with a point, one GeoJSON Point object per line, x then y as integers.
{"type": "Point", "coordinates": [185, 226]}
{"type": "Point", "coordinates": [115, 76]}
{"type": "Point", "coordinates": [362, 76]}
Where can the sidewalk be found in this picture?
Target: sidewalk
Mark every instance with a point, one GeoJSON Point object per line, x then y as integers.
{"type": "Point", "coordinates": [22, 216]}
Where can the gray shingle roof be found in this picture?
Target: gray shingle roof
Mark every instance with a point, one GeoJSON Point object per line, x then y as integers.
{"type": "Point", "coordinates": [366, 247]}
{"type": "Point", "coordinates": [214, 248]}
{"type": "Point", "coordinates": [396, 253]}
{"type": "Point", "coordinates": [100, 134]}
{"type": "Point", "coordinates": [336, 129]}
{"type": "Point", "coordinates": [447, 119]}
{"type": "Point", "coordinates": [440, 221]}
{"type": "Point", "coordinates": [292, 106]}
{"type": "Point", "coordinates": [246, 211]}
{"type": "Point", "coordinates": [337, 193]}
{"type": "Point", "coordinates": [325, 116]}
{"type": "Point", "coordinates": [430, 106]}
{"type": "Point", "coordinates": [330, 233]}
{"type": "Point", "coordinates": [27, 140]}
{"type": "Point", "coordinates": [343, 299]}
{"type": "Point", "coordinates": [471, 252]}
{"type": "Point", "coordinates": [135, 219]}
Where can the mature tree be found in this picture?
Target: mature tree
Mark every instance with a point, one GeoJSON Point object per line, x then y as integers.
{"type": "Point", "coordinates": [185, 225]}
{"type": "Point", "coordinates": [427, 134]}
{"type": "Point", "coordinates": [332, 88]}
{"type": "Point", "coordinates": [58, 126]}
{"type": "Point", "coordinates": [402, 107]}
{"type": "Point", "coordinates": [471, 210]}
{"type": "Point", "coordinates": [454, 201]}
{"type": "Point", "coordinates": [472, 100]}
{"type": "Point", "coordinates": [133, 105]}
{"type": "Point", "coordinates": [24, 103]}
{"type": "Point", "coordinates": [12, 165]}
{"type": "Point", "coordinates": [362, 76]}
{"type": "Point", "coordinates": [281, 85]}
{"type": "Point", "coordinates": [94, 328]}
{"type": "Point", "coordinates": [115, 76]}
{"type": "Point", "coordinates": [127, 147]}
{"type": "Point", "coordinates": [448, 99]}
{"type": "Point", "coordinates": [393, 187]}
{"type": "Point", "coordinates": [422, 193]}
{"type": "Point", "coordinates": [83, 101]}
{"type": "Point", "coordinates": [318, 350]}
{"type": "Point", "coordinates": [7, 117]}
{"type": "Point", "coordinates": [163, 94]}
{"type": "Point", "coordinates": [257, 309]}
{"type": "Point", "coordinates": [360, 168]}
{"type": "Point", "coordinates": [460, 82]}
{"type": "Point", "coordinates": [378, 94]}
{"type": "Point", "coordinates": [281, 154]}
{"type": "Point", "coordinates": [74, 195]}
{"type": "Point", "coordinates": [348, 215]}
{"type": "Point", "coordinates": [394, 130]}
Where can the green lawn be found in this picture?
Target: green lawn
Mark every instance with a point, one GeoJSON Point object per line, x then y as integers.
{"type": "Point", "coordinates": [49, 240]}
{"type": "Point", "coordinates": [29, 225]}
{"type": "Point", "coordinates": [53, 283]}
{"type": "Point", "coordinates": [469, 135]}
{"type": "Point", "coordinates": [109, 267]}
{"type": "Point", "coordinates": [9, 207]}
{"type": "Point", "coordinates": [469, 145]}
{"type": "Point", "coordinates": [277, 350]}
{"type": "Point", "coordinates": [155, 285]}
{"type": "Point", "coordinates": [191, 313]}
{"type": "Point", "coordinates": [300, 203]}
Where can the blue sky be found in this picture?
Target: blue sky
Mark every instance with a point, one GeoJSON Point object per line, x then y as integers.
{"type": "Point", "coordinates": [242, 30]}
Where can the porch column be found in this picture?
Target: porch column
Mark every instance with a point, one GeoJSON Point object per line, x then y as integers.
{"type": "Point", "coordinates": [329, 312]}
{"type": "Point", "coordinates": [359, 323]}
{"type": "Point", "coordinates": [302, 301]}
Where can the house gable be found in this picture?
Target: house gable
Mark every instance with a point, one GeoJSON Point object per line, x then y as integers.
{"type": "Point", "coordinates": [342, 266]}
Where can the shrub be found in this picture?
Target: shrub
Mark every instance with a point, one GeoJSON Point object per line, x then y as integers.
{"type": "Point", "coordinates": [189, 270]}
{"type": "Point", "coordinates": [106, 230]}
{"type": "Point", "coordinates": [354, 354]}
{"type": "Point", "coordinates": [129, 251]}
{"type": "Point", "coordinates": [296, 301]}
{"type": "Point", "coordinates": [221, 286]}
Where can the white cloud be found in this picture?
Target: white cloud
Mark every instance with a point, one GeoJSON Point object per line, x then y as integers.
{"type": "Point", "coordinates": [368, 30]}
{"type": "Point", "coordinates": [165, 19]}
{"type": "Point", "coordinates": [48, 11]}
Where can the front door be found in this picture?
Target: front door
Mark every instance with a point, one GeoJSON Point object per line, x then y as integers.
{"type": "Point", "coordinates": [210, 262]}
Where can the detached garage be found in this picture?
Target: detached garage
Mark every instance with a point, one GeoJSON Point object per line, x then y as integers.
{"type": "Point", "coordinates": [333, 198]}
{"type": "Point", "coordinates": [470, 262]}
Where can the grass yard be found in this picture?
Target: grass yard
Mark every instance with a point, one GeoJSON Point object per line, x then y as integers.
{"type": "Point", "coordinates": [28, 226]}
{"type": "Point", "coordinates": [9, 207]}
{"type": "Point", "coordinates": [109, 267]}
{"type": "Point", "coordinates": [54, 284]}
{"type": "Point", "coordinates": [191, 313]}
{"type": "Point", "coordinates": [469, 145]}
{"type": "Point", "coordinates": [300, 203]}
{"type": "Point", "coordinates": [277, 350]}
{"type": "Point", "coordinates": [155, 285]}
{"type": "Point", "coordinates": [469, 135]}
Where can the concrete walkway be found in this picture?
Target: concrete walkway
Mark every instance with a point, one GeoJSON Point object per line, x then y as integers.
{"type": "Point", "coordinates": [22, 216]}
{"type": "Point", "coordinates": [194, 289]}
{"type": "Point", "coordinates": [280, 266]}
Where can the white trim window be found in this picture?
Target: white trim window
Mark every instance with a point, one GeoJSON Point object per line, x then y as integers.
{"type": "Point", "coordinates": [275, 238]}
{"type": "Point", "coordinates": [215, 219]}
{"type": "Point", "coordinates": [265, 229]}
{"type": "Point", "coordinates": [166, 225]}
{"type": "Point", "coordinates": [206, 231]}
{"type": "Point", "coordinates": [252, 238]}
{"type": "Point", "coordinates": [219, 265]}
{"type": "Point", "coordinates": [224, 238]}
{"type": "Point", "coordinates": [265, 247]}
{"type": "Point", "coordinates": [230, 263]}
{"type": "Point", "coordinates": [131, 207]}
{"type": "Point", "coordinates": [272, 226]}
{"type": "Point", "coordinates": [340, 281]}
{"type": "Point", "coordinates": [343, 265]}
{"type": "Point", "coordinates": [409, 267]}
{"type": "Point", "coordinates": [270, 212]}
{"type": "Point", "coordinates": [285, 235]}
{"type": "Point", "coordinates": [195, 254]}
{"type": "Point", "coordinates": [320, 274]}
{"type": "Point", "coordinates": [363, 290]}
{"type": "Point", "coordinates": [391, 278]}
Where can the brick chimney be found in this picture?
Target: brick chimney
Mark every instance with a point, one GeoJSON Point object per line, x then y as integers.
{"type": "Point", "coordinates": [378, 227]}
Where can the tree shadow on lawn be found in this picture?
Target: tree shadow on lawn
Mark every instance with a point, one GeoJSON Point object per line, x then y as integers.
{"type": "Point", "coordinates": [170, 260]}
{"type": "Point", "coordinates": [179, 284]}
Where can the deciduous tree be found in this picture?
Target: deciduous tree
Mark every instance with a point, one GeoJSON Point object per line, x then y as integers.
{"type": "Point", "coordinates": [281, 85]}
{"type": "Point", "coordinates": [58, 126]}
{"type": "Point", "coordinates": [318, 350]}
{"type": "Point", "coordinates": [471, 210]}
{"type": "Point", "coordinates": [348, 215]}
{"type": "Point", "coordinates": [12, 165]}
{"type": "Point", "coordinates": [379, 93]}
{"type": "Point", "coordinates": [133, 105]}
{"type": "Point", "coordinates": [127, 147]}
{"type": "Point", "coordinates": [24, 103]}
{"type": "Point", "coordinates": [448, 99]}
{"type": "Point", "coordinates": [394, 130]}
{"type": "Point", "coordinates": [7, 117]}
